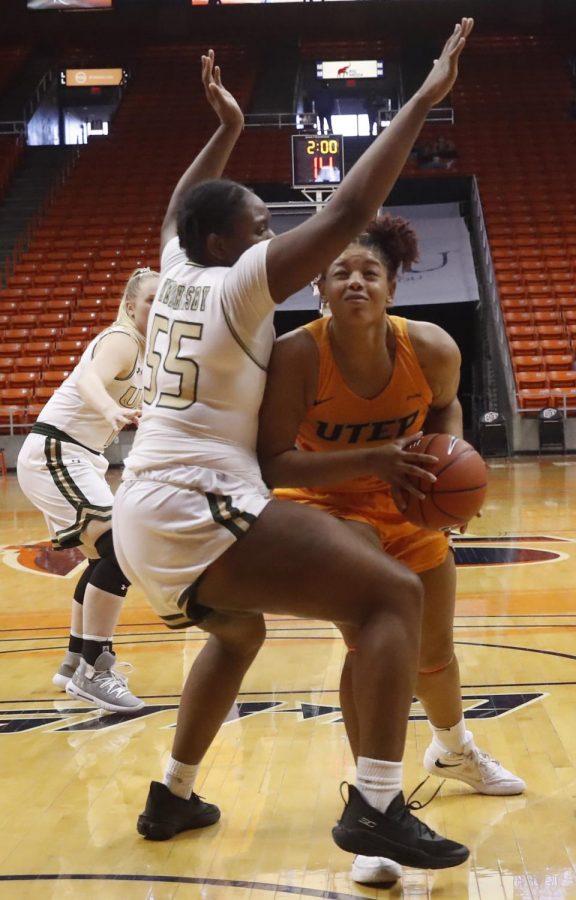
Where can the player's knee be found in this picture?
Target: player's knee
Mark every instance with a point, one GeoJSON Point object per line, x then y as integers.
{"type": "Point", "coordinates": [241, 634]}
{"type": "Point", "coordinates": [84, 581]}
{"type": "Point", "coordinates": [107, 574]}
{"type": "Point", "coordinates": [414, 590]}
{"type": "Point", "coordinates": [396, 593]}
{"type": "Point", "coordinates": [408, 596]}
{"type": "Point", "coordinates": [255, 634]}
{"type": "Point", "coordinates": [250, 634]}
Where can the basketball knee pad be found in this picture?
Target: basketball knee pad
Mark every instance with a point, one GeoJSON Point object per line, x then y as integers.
{"type": "Point", "coordinates": [107, 574]}
{"type": "Point", "coordinates": [434, 669]}
{"type": "Point", "coordinates": [84, 580]}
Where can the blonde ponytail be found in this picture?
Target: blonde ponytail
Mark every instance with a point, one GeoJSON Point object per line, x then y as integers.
{"type": "Point", "coordinates": [123, 317]}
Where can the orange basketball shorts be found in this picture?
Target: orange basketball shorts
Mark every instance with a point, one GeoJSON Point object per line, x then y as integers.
{"type": "Point", "coordinates": [418, 548]}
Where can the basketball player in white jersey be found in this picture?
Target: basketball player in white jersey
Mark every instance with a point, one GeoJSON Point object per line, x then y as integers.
{"type": "Point", "coordinates": [194, 524]}
{"type": "Point", "coordinates": [62, 468]}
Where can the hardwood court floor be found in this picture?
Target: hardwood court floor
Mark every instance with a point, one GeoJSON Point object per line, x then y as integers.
{"type": "Point", "coordinates": [75, 780]}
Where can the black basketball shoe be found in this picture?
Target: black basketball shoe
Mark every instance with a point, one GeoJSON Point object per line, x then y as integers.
{"type": "Point", "coordinates": [395, 833]}
{"type": "Point", "coordinates": [165, 814]}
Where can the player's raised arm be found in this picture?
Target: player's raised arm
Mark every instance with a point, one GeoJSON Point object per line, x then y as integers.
{"type": "Point", "coordinates": [298, 255]}
{"type": "Point", "coordinates": [212, 159]}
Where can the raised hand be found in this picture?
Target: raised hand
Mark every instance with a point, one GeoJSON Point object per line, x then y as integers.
{"type": "Point", "coordinates": [443, 75]}
{"type": "Point", "coordinates": [221, 100]}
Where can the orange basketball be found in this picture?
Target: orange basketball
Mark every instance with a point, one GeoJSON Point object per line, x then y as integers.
{"type": "Point", "coordinates": [458, 493]}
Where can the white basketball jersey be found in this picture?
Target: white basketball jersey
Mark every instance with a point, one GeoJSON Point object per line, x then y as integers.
{"type": "Point", "coordinates": [210, 335]}
{"type": "Point", "coordinates": [67, 410]}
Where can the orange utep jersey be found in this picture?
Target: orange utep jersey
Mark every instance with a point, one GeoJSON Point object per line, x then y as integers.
{"type": "Point", "coordinates": [341, 420]}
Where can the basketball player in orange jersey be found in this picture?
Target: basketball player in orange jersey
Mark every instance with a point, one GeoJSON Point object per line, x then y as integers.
{"type": "Point", "coordinates": [350, 391]}
{"type": "Point", "coordinates": [196, 528]}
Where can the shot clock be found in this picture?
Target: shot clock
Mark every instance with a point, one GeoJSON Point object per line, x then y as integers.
{"type": "Point", "coordinates": [317, 160]}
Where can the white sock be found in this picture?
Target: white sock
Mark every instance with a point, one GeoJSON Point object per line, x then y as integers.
{"type": "Point", "coordinates": [378, 781]}
{"type": "Point", "coordinates": [453, 739]}
{"type": "Point", "coordinates": [179, 778]}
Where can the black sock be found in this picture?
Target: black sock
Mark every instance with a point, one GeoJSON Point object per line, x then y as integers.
{"type": "Point", "coordinates": [91, 650]}
{"type": "Point", "coordinates": [75, 644]}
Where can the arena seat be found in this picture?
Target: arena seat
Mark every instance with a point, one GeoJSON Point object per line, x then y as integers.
{"type": "Point", "coordinates": [558, 361]}
{"type": "Point", "coordinates": [13, 408]}
{"type": "Point", "coordinates": [529, 363]}
{"type": "Point", "coordinates": [562, 379]}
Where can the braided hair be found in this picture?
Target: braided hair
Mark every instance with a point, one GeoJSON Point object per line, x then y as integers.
{"type": "Point", "coordinates": [209, 207]}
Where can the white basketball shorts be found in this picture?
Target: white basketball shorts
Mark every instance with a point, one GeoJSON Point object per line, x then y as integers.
{"type": "Point", "coordinates": [166, 535]}
{"type": "Point", "coordinates": [67, 483]}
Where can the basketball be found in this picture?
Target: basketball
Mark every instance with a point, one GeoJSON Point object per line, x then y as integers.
{"type": "Point", "coordinates": [460, 489]}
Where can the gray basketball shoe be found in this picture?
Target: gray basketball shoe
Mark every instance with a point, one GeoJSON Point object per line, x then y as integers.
{"type": "Point", "coordinates": [103, 686]}
{"type": "Point", "coordinates": [67, 668]}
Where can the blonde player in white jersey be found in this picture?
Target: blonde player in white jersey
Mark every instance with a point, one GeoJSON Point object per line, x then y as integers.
{"type": "Point", "coordinates": [61, 469]}
{"type": "Point", "coordinates": [194, 524]}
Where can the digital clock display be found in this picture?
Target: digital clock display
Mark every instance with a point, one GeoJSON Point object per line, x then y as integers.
{"type": "Point", "coordinates": [317, 161]}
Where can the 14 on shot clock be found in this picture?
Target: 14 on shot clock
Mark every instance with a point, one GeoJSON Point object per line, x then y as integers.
{"type": "Point", "coordinates": [317, 160]}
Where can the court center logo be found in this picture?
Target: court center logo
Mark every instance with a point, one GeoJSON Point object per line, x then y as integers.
{"type": "Point", "coordinates": [40, 558]}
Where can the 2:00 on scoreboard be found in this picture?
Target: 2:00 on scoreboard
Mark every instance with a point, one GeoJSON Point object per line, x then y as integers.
{"type": "Point", "coordinates": [317, 160]}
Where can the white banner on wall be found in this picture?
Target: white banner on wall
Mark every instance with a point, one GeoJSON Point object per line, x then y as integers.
{"type": "Point", "coordinates": [355, 68]}
{"type": "Point", "coordinates": [445, 272]}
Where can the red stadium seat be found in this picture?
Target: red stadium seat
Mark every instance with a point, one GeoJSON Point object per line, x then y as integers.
{"type": "Point", "coordinates": [564, 398]}
{"type": "Point", "coordinates": [521, 332]}
{"type": "Point", "coordinates": [555, 345]}
{"type": "Point", "coordinates": [46, 279]}
{"type": "Point", "coordinates": [559, 361]}
{"type": "Point", "coordinates": [63, 362]}
{"type": "Point", "coordinates": [71, 347]}
{"type": "Point", "coordinates": [545, 332]}
{"type": "Point", "coordinates": [38, 293]}
{"type": "Point", "coordinates": [531, 380]}
{"type": "Point", "coordinates": [44, 332]}
{"type": "Point", "coordinates": [543, 317]}
{"type": "Point", "coordinates": [13, 404]}
{"type": "Point", "coordinates": [23, 320]}
{"type": "Point", "coordinates": [524, 348]}
{"type": "Point", "coordinates": [78, 333]}
{"type": "Point", "coordinates": [10, 349]}
{"type": "Point", "coordinates": [55, 377]}
{"type": "Point", "coordinates": [22, 379]}
{"type": "Point", "coordinates": [43, 393]}
{"type": "Point", "coordinates": [518, 317]}
{"type": "Point", "coordinates": [86, 317]}
{"type": "Point", "coordinates": [32, 306]}
{"type": "Point", "coordinates": [532, 399]}
{"type": "Point", "coordinates": [30, 363]}
{"type": "Point", "coordinates": [53, 319]}
{"type": "Point", "coordinates": [40, 348]}
{"type": "Point", "coordinates": [562, 379]}
{"type": "Point", "coordinates": [528, 363]}
{"type": "Point", "coordinates": [16, 334]}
